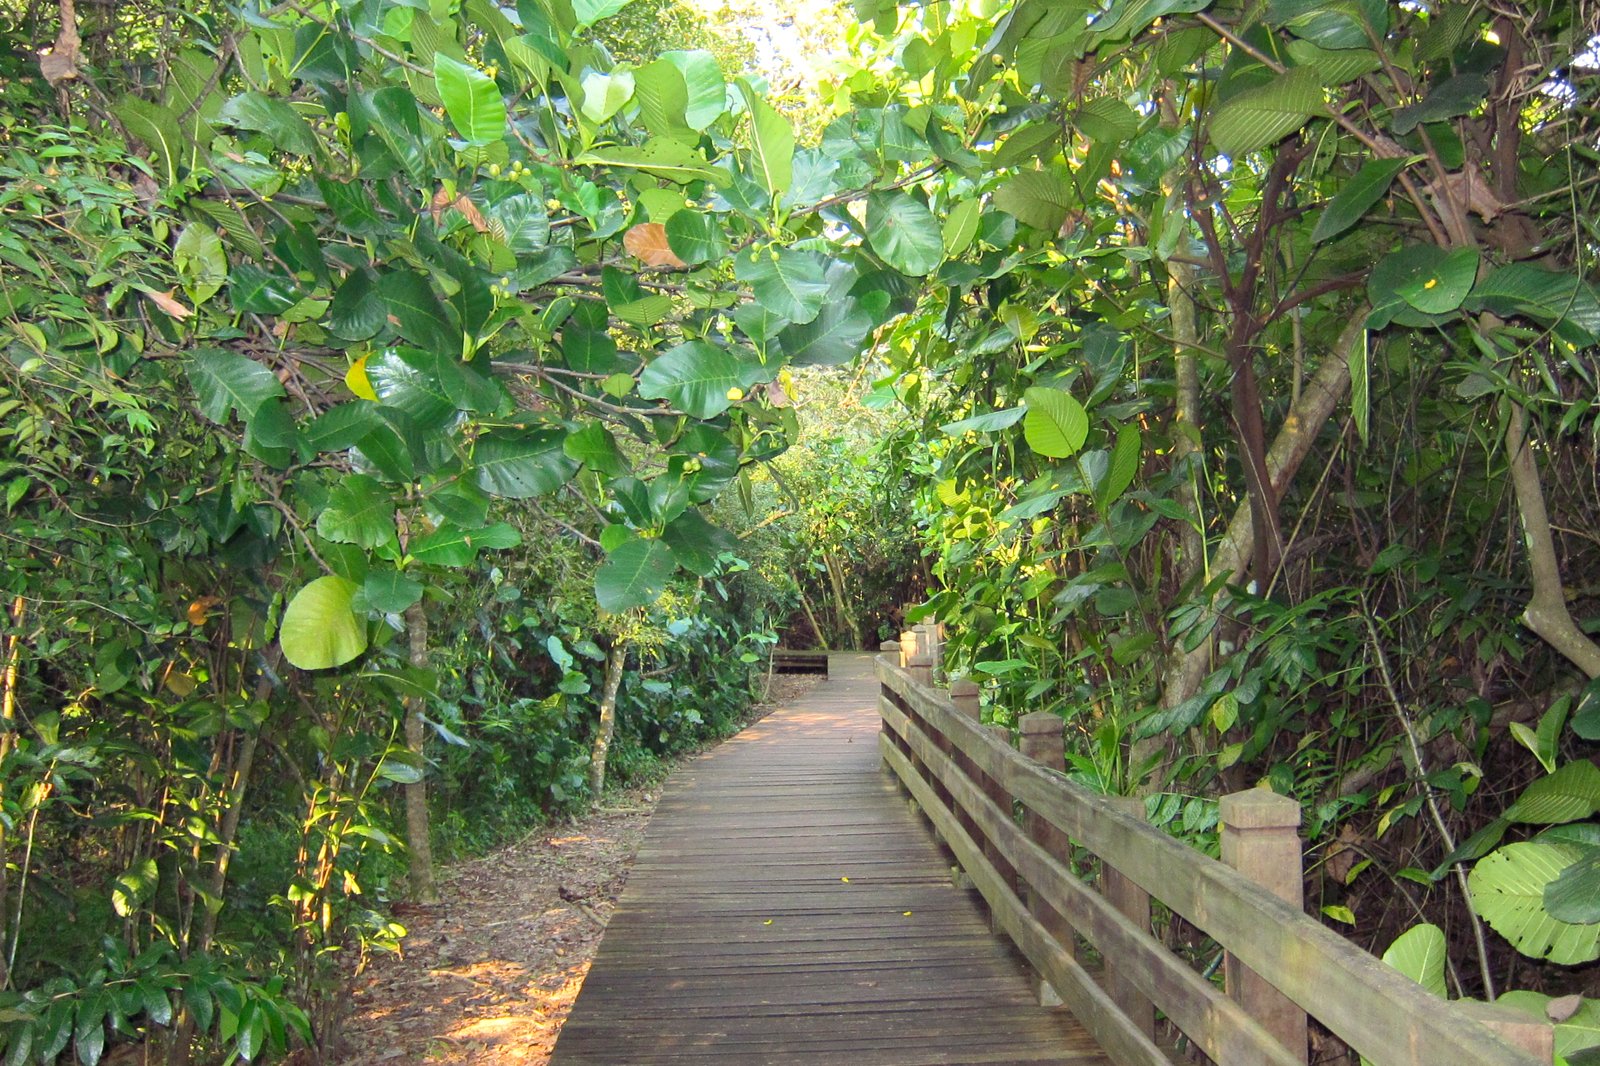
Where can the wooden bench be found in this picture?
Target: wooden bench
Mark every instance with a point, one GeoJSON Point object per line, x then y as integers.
{"type": "Point", "coordinates": [799, 661]}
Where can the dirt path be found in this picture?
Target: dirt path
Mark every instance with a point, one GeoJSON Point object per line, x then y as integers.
{"type": "Point", "coordinates": [489, 974]}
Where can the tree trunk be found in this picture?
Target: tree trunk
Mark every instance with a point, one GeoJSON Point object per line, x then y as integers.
{"type": "Point", "coordinates": [1184, 671]}
{"type": "Point", "coordinates": [419, 840]}
{"type": "Point", "coordinates": [811, 616]}
{"type": "Point", "coordinates": [8, 713]}
{"type": "Point", "coordinates": [847, 617]}
{"type": "Point", "coordinates": [1186, 408]}
{"type": "Point", "coordinates": [1546, 613]}
{"type": "Point", "coordinates": [615, 660]}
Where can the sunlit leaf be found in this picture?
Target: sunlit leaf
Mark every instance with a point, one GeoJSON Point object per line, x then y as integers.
{"type": "Point", "coordinates": [319, 629]}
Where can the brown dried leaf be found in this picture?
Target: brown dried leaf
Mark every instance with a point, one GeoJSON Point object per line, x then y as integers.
{"type": "Point", "coordinates": [1561, 1008]}
{"type": "Point", "coordinates": [61, 63]}
{"type": "Point", "coordinates": [169, 303]}
{"type": "Point", "coordinates": [1467, 187]}
{"type": "Point", "coordinates": [200, 610]}
{"type": "Point", "coordinates": [442, 201]}
{"type": "Point", "coordinates": [648, 241]}
{"type": "Point", "coordinates": [777, 395]}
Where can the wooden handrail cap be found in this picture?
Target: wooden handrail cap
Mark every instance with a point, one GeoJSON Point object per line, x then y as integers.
{"type": "Point", "coordinates": [1259, 808]}
{"type": "Point", "coordinates": [963, 686]}
{"type": "Point", "coordinates": [1038, 722]}
{"type": "Point", "coordinates": [889, 645]}
{"type": "Point", "coordinates": [1522, 1031]}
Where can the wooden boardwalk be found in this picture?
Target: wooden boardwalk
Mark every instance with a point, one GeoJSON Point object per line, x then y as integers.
{"type": "Point", "coordinates": [787, 907]}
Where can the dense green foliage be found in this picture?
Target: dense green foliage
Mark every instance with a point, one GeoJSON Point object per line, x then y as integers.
{"type": "Point", "coordinates": [384, 385]}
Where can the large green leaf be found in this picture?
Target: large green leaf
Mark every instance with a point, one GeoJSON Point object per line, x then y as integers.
{"type": "Point", "coordinates": [1442, 287]}
{"type": "Point", "coordinates": [904, 232]}
{"type": "Point", "coordinates": [1508, 892]}
{"type": "Point", "coordinates": [960, 226]}
{"type": "Point", "coordinates": [635, 575]}
{"type": "Point", "coordinates": [772, 148]}
{"type": "Point", "coordinates": [1455, 95]}
{"type": "Point", "coordinates": [423, 319]}
{"type": "Point", "coordinates": [1419, 954]}
{"type": "Point", "coordinates": [276, 118]}
{"type": "Point", "coordinates": [1403, 276]}
{"type": "Point", "coordinates": [1038, 198]}
{"type": "Point", "coordinates": [698, 378]}
{"type": "Point", "coordinates": [356, 312]}
{"type": "Point", "coordinates": [696, 237]}
{"type": "Point", "coordinates": [403, 379]}
{"type": "Point", "coordinates": [1562, 299]}
{"type": "Point", "coordinates": [252, 288]}
{"type": "Point", "coordinates": [663, 97]}
{"type": "Point", "coordinates": [319, 628]}
{"type": "Point", "coordinates": [604, 94]}
{"type": "Point", "coordinates": [471, 99]}
{"type": "Point", "coordinates": [450, 545]}
{"type": "Point", "coordinates": [595, 447]}
{"type": "Point", "coordinates": [360, 511]}
{"type": "Point", "coordinates": [522, 222]}
{"type": "Point", "coordinates": [521, 465]}
{"type": "Point", "coordinates": [838, 334]}
{"type": "Point", "coordinates": [1570, 794]}
{"type": "Point", "coordinates": [225, 381]}
{"type": "Point", "coordinates": [787, 283]}
{"type": "Point", "coordinates": [201, 261]}
{"type": "Point", "coordinates": [390, 591]}
{"type": "Point", "coordinates": [589, 12]}
{"type": "Point", "coordinates": [157, 127]}
{"type": "Point", "coordinates": [660, 157]}
{"type": "Point", "coordinates": [1122, 467]}
{"type": "Point", "coordinates": [1106, 118]}
{"type": "Point", "coordinates": [1357, 197]}
{"type": "Point", "coordinates": [708, 92]}
{"type": "Point", "coordinates": [1575, 895]}
{"type": "Point", "coordinates": [988, 422]}
{"type": "Point", "coordinates": [1265, 115]}
{"type": "Point", "coordinates": [1056, 424]}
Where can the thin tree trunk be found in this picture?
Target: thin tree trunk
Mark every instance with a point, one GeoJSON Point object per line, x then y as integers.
{"type": "Point", "coordinates": [419, 839]}
{"type": "Point", "coordinates": [8, 713]}
{"type": "Point", "coordinates": [1546, 613]}
{"type": "Point", "coordinates": [811, 616]}
{"type": "Point", "coordinates": [1186, 410]}
{"type": "Point", "coordinates": [1184, 671]}
{"type": "Point", "coordinates": [847, 618]}
{"type": "Point", "coordinates": [615, 660]}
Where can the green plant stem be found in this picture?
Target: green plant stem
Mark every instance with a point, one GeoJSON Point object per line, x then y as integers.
{"type": "Point", "coordinates": [1420, 770]}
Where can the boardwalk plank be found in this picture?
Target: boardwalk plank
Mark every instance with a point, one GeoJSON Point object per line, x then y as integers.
{"type": "Point", "coordinates": [738, 939]}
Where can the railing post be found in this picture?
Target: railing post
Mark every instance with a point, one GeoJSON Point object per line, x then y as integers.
{"type": "Point", "coordinates": [889, 649]}
{"type": "Point", "coordinates": [1134, 904]}
{"type": "Point", "coordinates": [1040, 740]}
{"type": "Point", "coordinates": [1261, 840]}
{"type": "Point", "coordinates": [919, 662]}
{"type": "Point", "coordinates": [965, 696]}
{"type": "Point", "coordinates": [908, 647]}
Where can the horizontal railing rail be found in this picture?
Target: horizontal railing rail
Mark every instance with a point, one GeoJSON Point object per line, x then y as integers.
{"type": "Point", "coordinates": [1280, 963]}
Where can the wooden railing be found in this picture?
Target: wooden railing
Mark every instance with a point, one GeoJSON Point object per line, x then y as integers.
{"type": "Point", "coordinates": [1280, 964]}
